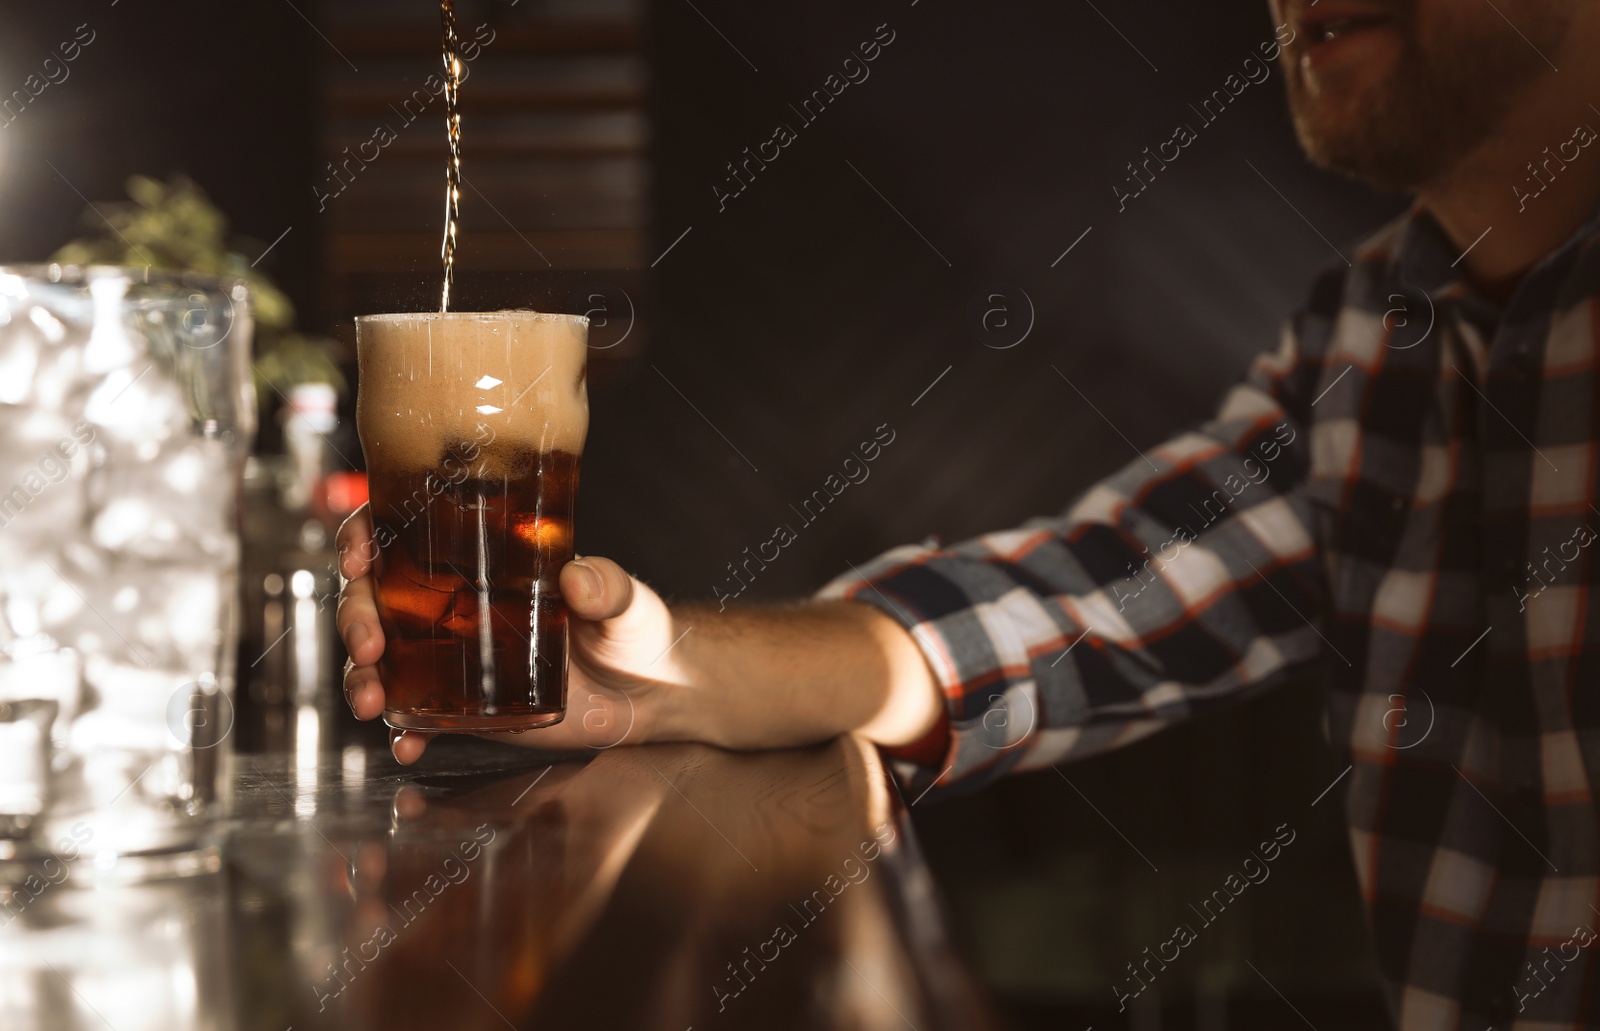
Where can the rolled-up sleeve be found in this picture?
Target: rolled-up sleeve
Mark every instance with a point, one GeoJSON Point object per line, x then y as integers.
{"type": "Point", "coordinates": [1187, 579]}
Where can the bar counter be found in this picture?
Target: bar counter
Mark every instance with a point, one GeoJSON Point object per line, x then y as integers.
{"type": "Point", "coordinates": [659, 887]}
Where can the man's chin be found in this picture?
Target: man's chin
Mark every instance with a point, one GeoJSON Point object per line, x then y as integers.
{"type": "Point", "coordinates": [1365, 138]}
{"type": "Point", "coordinates": [1389, 170]}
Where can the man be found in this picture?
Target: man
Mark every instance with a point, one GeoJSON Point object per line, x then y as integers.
{"type": "Point", "coordinates": [1404, 493]}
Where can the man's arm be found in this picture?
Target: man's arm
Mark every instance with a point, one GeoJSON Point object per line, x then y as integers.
{"type": "Point", "coordinates": [772, 677]}
{"type": "Point", "coordinates": [748, 678]}
{"type": "Point", "coordinates": [1187, 580]}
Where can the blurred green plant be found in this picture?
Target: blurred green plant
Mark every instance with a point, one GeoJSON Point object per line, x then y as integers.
{"type": "Point", "coordinates": [174, 225]}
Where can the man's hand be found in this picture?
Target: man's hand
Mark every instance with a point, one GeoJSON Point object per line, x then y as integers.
{"type": "Point", "coordinates": [743, 678]}
{"type": "Point", "coordinates": [620, 633]}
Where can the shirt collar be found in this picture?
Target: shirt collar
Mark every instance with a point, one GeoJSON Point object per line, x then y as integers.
{"type": "Point", "coordinates": [1425, 258]}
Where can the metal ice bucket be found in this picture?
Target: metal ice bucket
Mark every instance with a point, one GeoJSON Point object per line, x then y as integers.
{"type": "Point", "coordinates": [126, 412]}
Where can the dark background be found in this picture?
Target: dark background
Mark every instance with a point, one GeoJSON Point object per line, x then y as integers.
{"type": "Point", "coordinates": [820, 304]}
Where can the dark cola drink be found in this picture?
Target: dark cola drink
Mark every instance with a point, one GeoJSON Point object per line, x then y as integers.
{"type": "Point", "coordinates": [477, 634]}
{"type": "Point", "coordinates": [472, 426]}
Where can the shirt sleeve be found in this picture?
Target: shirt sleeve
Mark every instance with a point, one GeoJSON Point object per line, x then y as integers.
{"type": "Point", "coordinates": [1188, 579]}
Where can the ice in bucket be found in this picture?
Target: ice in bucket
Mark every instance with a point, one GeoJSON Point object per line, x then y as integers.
{"type": "Point", "coordinates": [126, 410]}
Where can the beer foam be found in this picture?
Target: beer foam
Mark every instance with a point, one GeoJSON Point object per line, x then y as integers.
{"type": "Point", "coordinates": [431, 381]}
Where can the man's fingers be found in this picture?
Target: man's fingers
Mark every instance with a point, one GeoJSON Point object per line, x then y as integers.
{"type": "Point", "coordinates": [357, 617]}
{"type": "Point", "coordinates": [408, 745]}
{"type": "Point", "coordinates": [355, 545]}
{"type": "Point", "coordinates": [596, 588]}
{"type": "Point", "coordinates": [363, 692]}
{"type": "Point", "coordinates": [357, 620]}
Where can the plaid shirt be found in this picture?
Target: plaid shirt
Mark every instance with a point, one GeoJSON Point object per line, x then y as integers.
{"type": "Point", "coordinates": [1404, 494]}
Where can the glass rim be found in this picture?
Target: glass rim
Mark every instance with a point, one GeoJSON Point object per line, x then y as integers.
{"type": "Point", "coordinates": [56, 272]}
{"type": "Point", "coordinates": [480, 316]}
